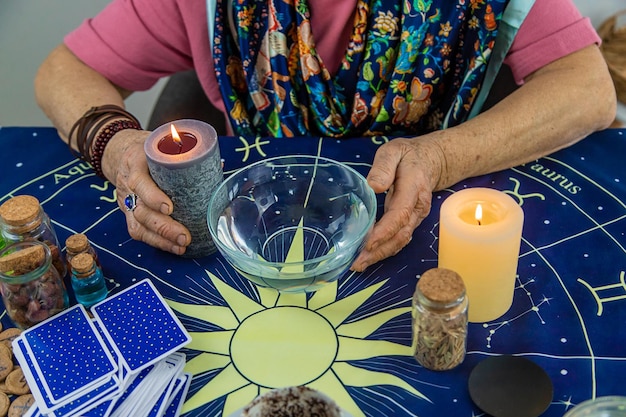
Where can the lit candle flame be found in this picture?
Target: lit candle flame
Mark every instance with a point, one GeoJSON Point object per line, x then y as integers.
{"type": "Point", "coordinates": [479, 213]}
{"type": "Point", "coordinates": [175, 136]}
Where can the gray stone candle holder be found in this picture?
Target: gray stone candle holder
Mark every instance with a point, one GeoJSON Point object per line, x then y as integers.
{"type": "Point", "coordinates": [188, 179]}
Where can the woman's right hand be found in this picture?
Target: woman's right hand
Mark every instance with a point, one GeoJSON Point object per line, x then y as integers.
{"type": "Point", "coordinates": [66, 88]}
{"type": "Point", "coordinates": [124, 163]}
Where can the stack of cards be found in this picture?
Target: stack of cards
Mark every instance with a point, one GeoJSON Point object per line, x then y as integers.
{"type": "Point", "coordinates": [123, 362]}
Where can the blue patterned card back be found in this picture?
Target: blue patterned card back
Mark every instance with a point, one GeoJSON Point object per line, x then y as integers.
{"type": "Point", "coordinates": [102, 410]}
{"type": "Point", "coordinates": [178, 396]}
{"type": "Point", "coordinates": [140, 325]}
{"type": "Point", "coordinates": [82, 401]}
{"type": "Point", "coordinates": [68, 354]}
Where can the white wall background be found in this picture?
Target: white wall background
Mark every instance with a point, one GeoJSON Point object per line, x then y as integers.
{"type": "Point", "coordinates": [29, 29]}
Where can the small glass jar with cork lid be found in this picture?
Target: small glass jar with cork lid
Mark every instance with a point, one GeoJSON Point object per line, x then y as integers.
{"type": "Point", "coordinates": [439, 320]}
{"type": "Point", "coordinates": [32, 289]}
{"type": "Point", "coordinates": [79, 243]}
{"type": "Point", "coordinates": [22, 218]}
{"type": "Point", "coordinates": [87, 280]}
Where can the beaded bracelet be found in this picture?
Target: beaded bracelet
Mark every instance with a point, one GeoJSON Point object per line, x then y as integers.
{"type": "Point", "coordinates": [85, 145]}
{"type": "Point", "coordinates": [90, 124]}
{"type": "Point", "coordinates": [103, 138]}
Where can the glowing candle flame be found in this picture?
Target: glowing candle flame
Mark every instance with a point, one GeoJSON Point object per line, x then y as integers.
{"type": "Point", "coordinates": [479, 213]}
{"type": "Point", "coordinates": [175, 136]}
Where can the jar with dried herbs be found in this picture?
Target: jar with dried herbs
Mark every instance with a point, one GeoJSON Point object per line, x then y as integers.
{"type": "Point", "coordinates": [439, 320]}
{"type": "Point", "coordinates": [32, 289]}
{"type": "Point", "coordinates": [22, 218]}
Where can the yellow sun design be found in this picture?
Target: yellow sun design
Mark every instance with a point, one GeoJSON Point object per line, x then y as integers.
{"type": "Point", "coordinates": [287, 339]}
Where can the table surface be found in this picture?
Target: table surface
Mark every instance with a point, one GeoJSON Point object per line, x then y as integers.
{"type": "Point", "coordinates": [568, 313]}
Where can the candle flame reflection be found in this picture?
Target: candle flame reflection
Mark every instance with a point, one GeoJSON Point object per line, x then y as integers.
{"type": "Point", "coordinates": [175, 136]}
{"type": "Point", "coordinates": [479, 213]}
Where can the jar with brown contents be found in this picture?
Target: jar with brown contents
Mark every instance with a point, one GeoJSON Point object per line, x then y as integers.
{"type": "Point", "coordinates": [439, 320]}
{"type": "Point", "coordinates": [22, 218]}
{"type": "Point", "coordinates": [32, 289]}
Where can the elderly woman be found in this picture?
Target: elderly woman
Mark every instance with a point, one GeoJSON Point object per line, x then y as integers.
{"type": "Point", "coordinates": [415, 70]}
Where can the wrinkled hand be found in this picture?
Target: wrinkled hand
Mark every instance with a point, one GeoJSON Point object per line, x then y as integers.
{"type": "Point", "coordinates": [408, 170]}
{"type": "Point", "coordinates": [125, 164]}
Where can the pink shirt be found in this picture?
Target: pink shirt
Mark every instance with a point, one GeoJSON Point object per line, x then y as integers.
{"type": "Point", "coordinates": [134, 43]}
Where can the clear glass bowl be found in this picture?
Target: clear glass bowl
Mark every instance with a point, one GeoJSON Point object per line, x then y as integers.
{"type": "Point", "coordinates": [609, 406]}
{"type": "Point", "coordinates": [292, 223]}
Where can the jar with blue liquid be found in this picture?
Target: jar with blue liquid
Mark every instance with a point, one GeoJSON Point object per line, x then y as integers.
{"type": "Point", "coordinates": [88, 280]}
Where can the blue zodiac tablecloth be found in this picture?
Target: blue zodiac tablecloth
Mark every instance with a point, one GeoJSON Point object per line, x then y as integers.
{"type": "Point", "coordinates": [352, 339]}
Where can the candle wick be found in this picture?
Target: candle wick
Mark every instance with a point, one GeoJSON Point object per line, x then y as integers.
{"type": "Point", "coordinates": [478, 220]}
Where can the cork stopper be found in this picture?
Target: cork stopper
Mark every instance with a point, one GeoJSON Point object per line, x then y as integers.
{"type": "Point", "coordinates": [441, 285]}
{"type": "Point", "coordinates": [24, 260]}
{"type": "Point", "coordinates": [82, 263]}
{"type": "Point", "coordinates": [77, 243]}
{"type": "Point", "coordinates": [20, 210]}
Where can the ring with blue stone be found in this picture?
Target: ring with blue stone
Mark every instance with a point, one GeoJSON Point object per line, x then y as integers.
{"type": "Point", "coordinates": [130, 202]}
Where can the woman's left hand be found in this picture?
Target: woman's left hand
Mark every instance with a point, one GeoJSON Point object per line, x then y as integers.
{"type": "Point", "coordinates": [408, 170]}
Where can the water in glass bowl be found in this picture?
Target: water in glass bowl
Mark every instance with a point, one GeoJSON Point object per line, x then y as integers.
{"type": "Point", "coordinates": [294, 227]}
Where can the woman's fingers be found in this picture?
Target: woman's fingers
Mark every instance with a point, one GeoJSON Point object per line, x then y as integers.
{"type": "Point", "coordinates": [403, 170]}
{"type": "Point", "coordinates": [157, 229]}
{"type": "Point", "coordinates": [150, 221]}
{"type": "Point", "coordinates": [391, 234]}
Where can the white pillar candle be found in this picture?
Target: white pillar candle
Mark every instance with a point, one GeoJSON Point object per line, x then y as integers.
{"type": "Point", "coordinates": [482, 248]}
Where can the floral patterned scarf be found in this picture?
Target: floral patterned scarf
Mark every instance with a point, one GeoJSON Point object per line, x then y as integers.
{"type": "Point", "coordinates": [412, 66]}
